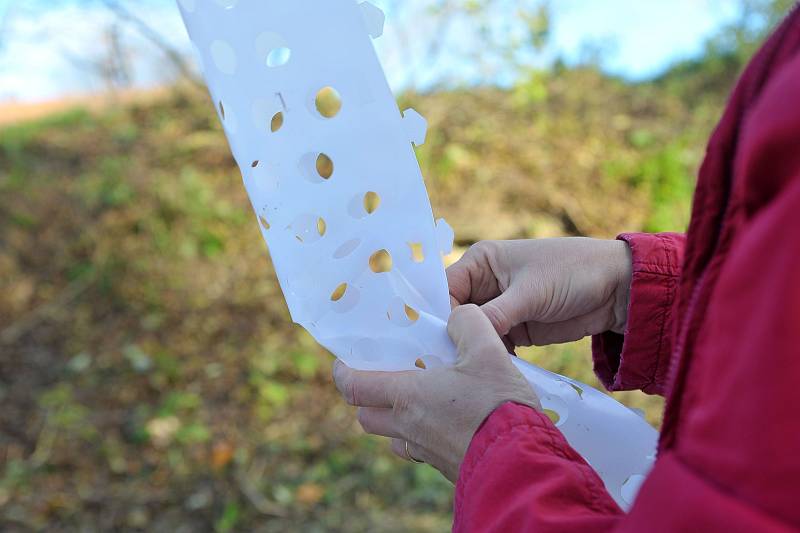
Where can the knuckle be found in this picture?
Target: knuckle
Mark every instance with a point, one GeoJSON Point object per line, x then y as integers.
{"type": "Point", "coordinates": [342, 381]}
{"type": "Point", "coordinates": [497, 317]}
{"type": "Point", "coordinates": [402, 403]}
{"type": "Point", "coordinates": [484, 248]}
{"type": "Point", "coordinates": [405, 410]}
{"type": "Point", "coordinates": [349, 392]}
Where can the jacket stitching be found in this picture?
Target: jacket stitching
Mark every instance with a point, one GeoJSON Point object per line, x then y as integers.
{"type": "Point", "coordinates": [665, 304]}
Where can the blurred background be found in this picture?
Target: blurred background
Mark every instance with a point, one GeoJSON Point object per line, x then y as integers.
{"type": "Point", "coordinates": [150, 376]}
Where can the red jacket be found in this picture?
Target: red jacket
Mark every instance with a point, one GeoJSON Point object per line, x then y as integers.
{"type": "Point", "coordinates": [714, 323]}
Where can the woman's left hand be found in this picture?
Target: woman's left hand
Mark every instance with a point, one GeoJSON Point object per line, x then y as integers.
{"type": "Point", "coordinates": [432, 415]}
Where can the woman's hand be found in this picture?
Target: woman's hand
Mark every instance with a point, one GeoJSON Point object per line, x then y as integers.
{"type": "Point", "coordinates": [431, 415]}
{"type": "Point", "coordinates": [538, 292]}
{"type": "Point", "coordinates": [530, 292]}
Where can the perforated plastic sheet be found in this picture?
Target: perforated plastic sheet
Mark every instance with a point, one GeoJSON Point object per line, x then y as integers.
{"type": "Point", "coordinates": [328, 163]}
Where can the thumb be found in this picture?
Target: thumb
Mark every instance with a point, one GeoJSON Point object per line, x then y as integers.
{"type": "Point", "coordinates": [473, 334]}
{"type": "Point", "coordinates": [506, 311]}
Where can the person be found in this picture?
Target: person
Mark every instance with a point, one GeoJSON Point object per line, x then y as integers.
{"type": "Point", "coordinates": [710, 319]}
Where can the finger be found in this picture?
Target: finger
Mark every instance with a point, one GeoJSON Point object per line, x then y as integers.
{"type": "Point", "coordinates": [367, 389]}
{"type": "Point", "coordinates": [508, 342]}
{"type": "Point", "coordinates": [379, 421]}
{"type": "Point", "coordinates": [591, 323]}
{"type": "Point", "coordinates": [541, 334]}
{"type": "Point", "coordinates": [453, 302]}
{"type": "Point", "coordinates": [471, 279]}
{"type": "Point", "coordinates": [509, 309]}
{"type": "Point", "coordinates": [473, 334]}
{"type": "Point", "coordinates": [519, 336]}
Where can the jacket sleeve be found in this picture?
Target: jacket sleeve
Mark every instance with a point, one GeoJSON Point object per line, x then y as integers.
{"type": "Point", "coordinates": [520, 474]}
{"type": "Point", "coordinates": [639, 359]}
{"type": "Point", "coordinates": [734, 467]}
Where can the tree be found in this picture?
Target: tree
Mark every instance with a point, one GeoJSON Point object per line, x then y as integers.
{"type": "Point", "coordinates": [482, 38]}
{"type": "Point", "coordinates": [175, 57]}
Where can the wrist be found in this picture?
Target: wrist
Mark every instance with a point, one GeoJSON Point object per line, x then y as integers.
{"type": "Point", "coordinates": [623, 262]}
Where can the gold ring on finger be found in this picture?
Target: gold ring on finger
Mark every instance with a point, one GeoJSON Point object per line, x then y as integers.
{"type": "Point", "coordinates": [411, 457]}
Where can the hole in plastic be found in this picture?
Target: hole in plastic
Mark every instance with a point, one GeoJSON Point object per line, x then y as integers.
{"type": "Point", "coordinates": [317, 167]}
{"type": "Point", "coordinates": [344, 298]}
{"type": "Point", "coordinates": [557, 406]}
{"type": "Point", "coordinates": [338, 292]}
{"type": "Point", "coordinates": [552, 415]}
{"type": "Point", "coordinates": [254, 164]}
{"type": "Point", "coordinates": [419, 363]}
{"type": "Point", "coordinates": [417, 254]}
{"type": "Point", "coordinates": [361, 206]}
{"type": "Point", "coordinates": [346, 249]}
{"type": "Point", "coordinates": [273, 49]}
{"type": "Point", "coordinates": [372, 201]}
{"type": "Point", "coordinates": [400, 313]}
{"type": "Point", "coordinates": [308, 228]}
{"type": "Point", "coordinates": [324, 166]}
{"type": "Point", "coordinates": [221, 110]}
{"type": "Point", "coordinates": [380, 261]}
{"type": "Point", "coordinates": [277, 122]}
{"type": "Point", "coordinates": [328, 102]}
{"type": "Point", "coordinates": [278, 57]}
{"type": "Point", "coordinates": [263, 220]}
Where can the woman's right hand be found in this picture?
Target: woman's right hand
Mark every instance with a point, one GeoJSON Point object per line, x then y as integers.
{"type": "Point", "coordinates": [548, 291]}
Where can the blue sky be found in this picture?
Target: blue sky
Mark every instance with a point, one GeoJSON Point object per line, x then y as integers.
{"type": "Point", "coordinates": [46, 45]}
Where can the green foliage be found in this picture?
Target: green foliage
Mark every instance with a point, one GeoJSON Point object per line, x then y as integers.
{"type": "Point", "coordinates": [229, 519]}
{"type": "Point", "coordinates": [64, 413]}
{"type": "Point", "coordinates": [669, 178]}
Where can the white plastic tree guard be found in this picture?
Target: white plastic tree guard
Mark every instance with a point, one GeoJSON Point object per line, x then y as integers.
{"type": "Point", "coordinates": [327, 160]}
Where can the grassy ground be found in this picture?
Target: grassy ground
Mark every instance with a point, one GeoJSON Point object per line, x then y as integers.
{"type": "Point", "coordinates": [150, 377]}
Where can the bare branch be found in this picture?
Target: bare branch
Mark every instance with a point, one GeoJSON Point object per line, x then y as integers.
{"type": "Point", "coordinates": [173, 55]}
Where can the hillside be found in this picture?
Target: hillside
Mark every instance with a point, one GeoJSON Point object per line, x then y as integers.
{"type": "Point", "coordinates": [150, 376]}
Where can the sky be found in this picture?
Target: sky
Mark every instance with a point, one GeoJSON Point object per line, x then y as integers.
{"type": "Point", "coordinates": [47, 46]}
